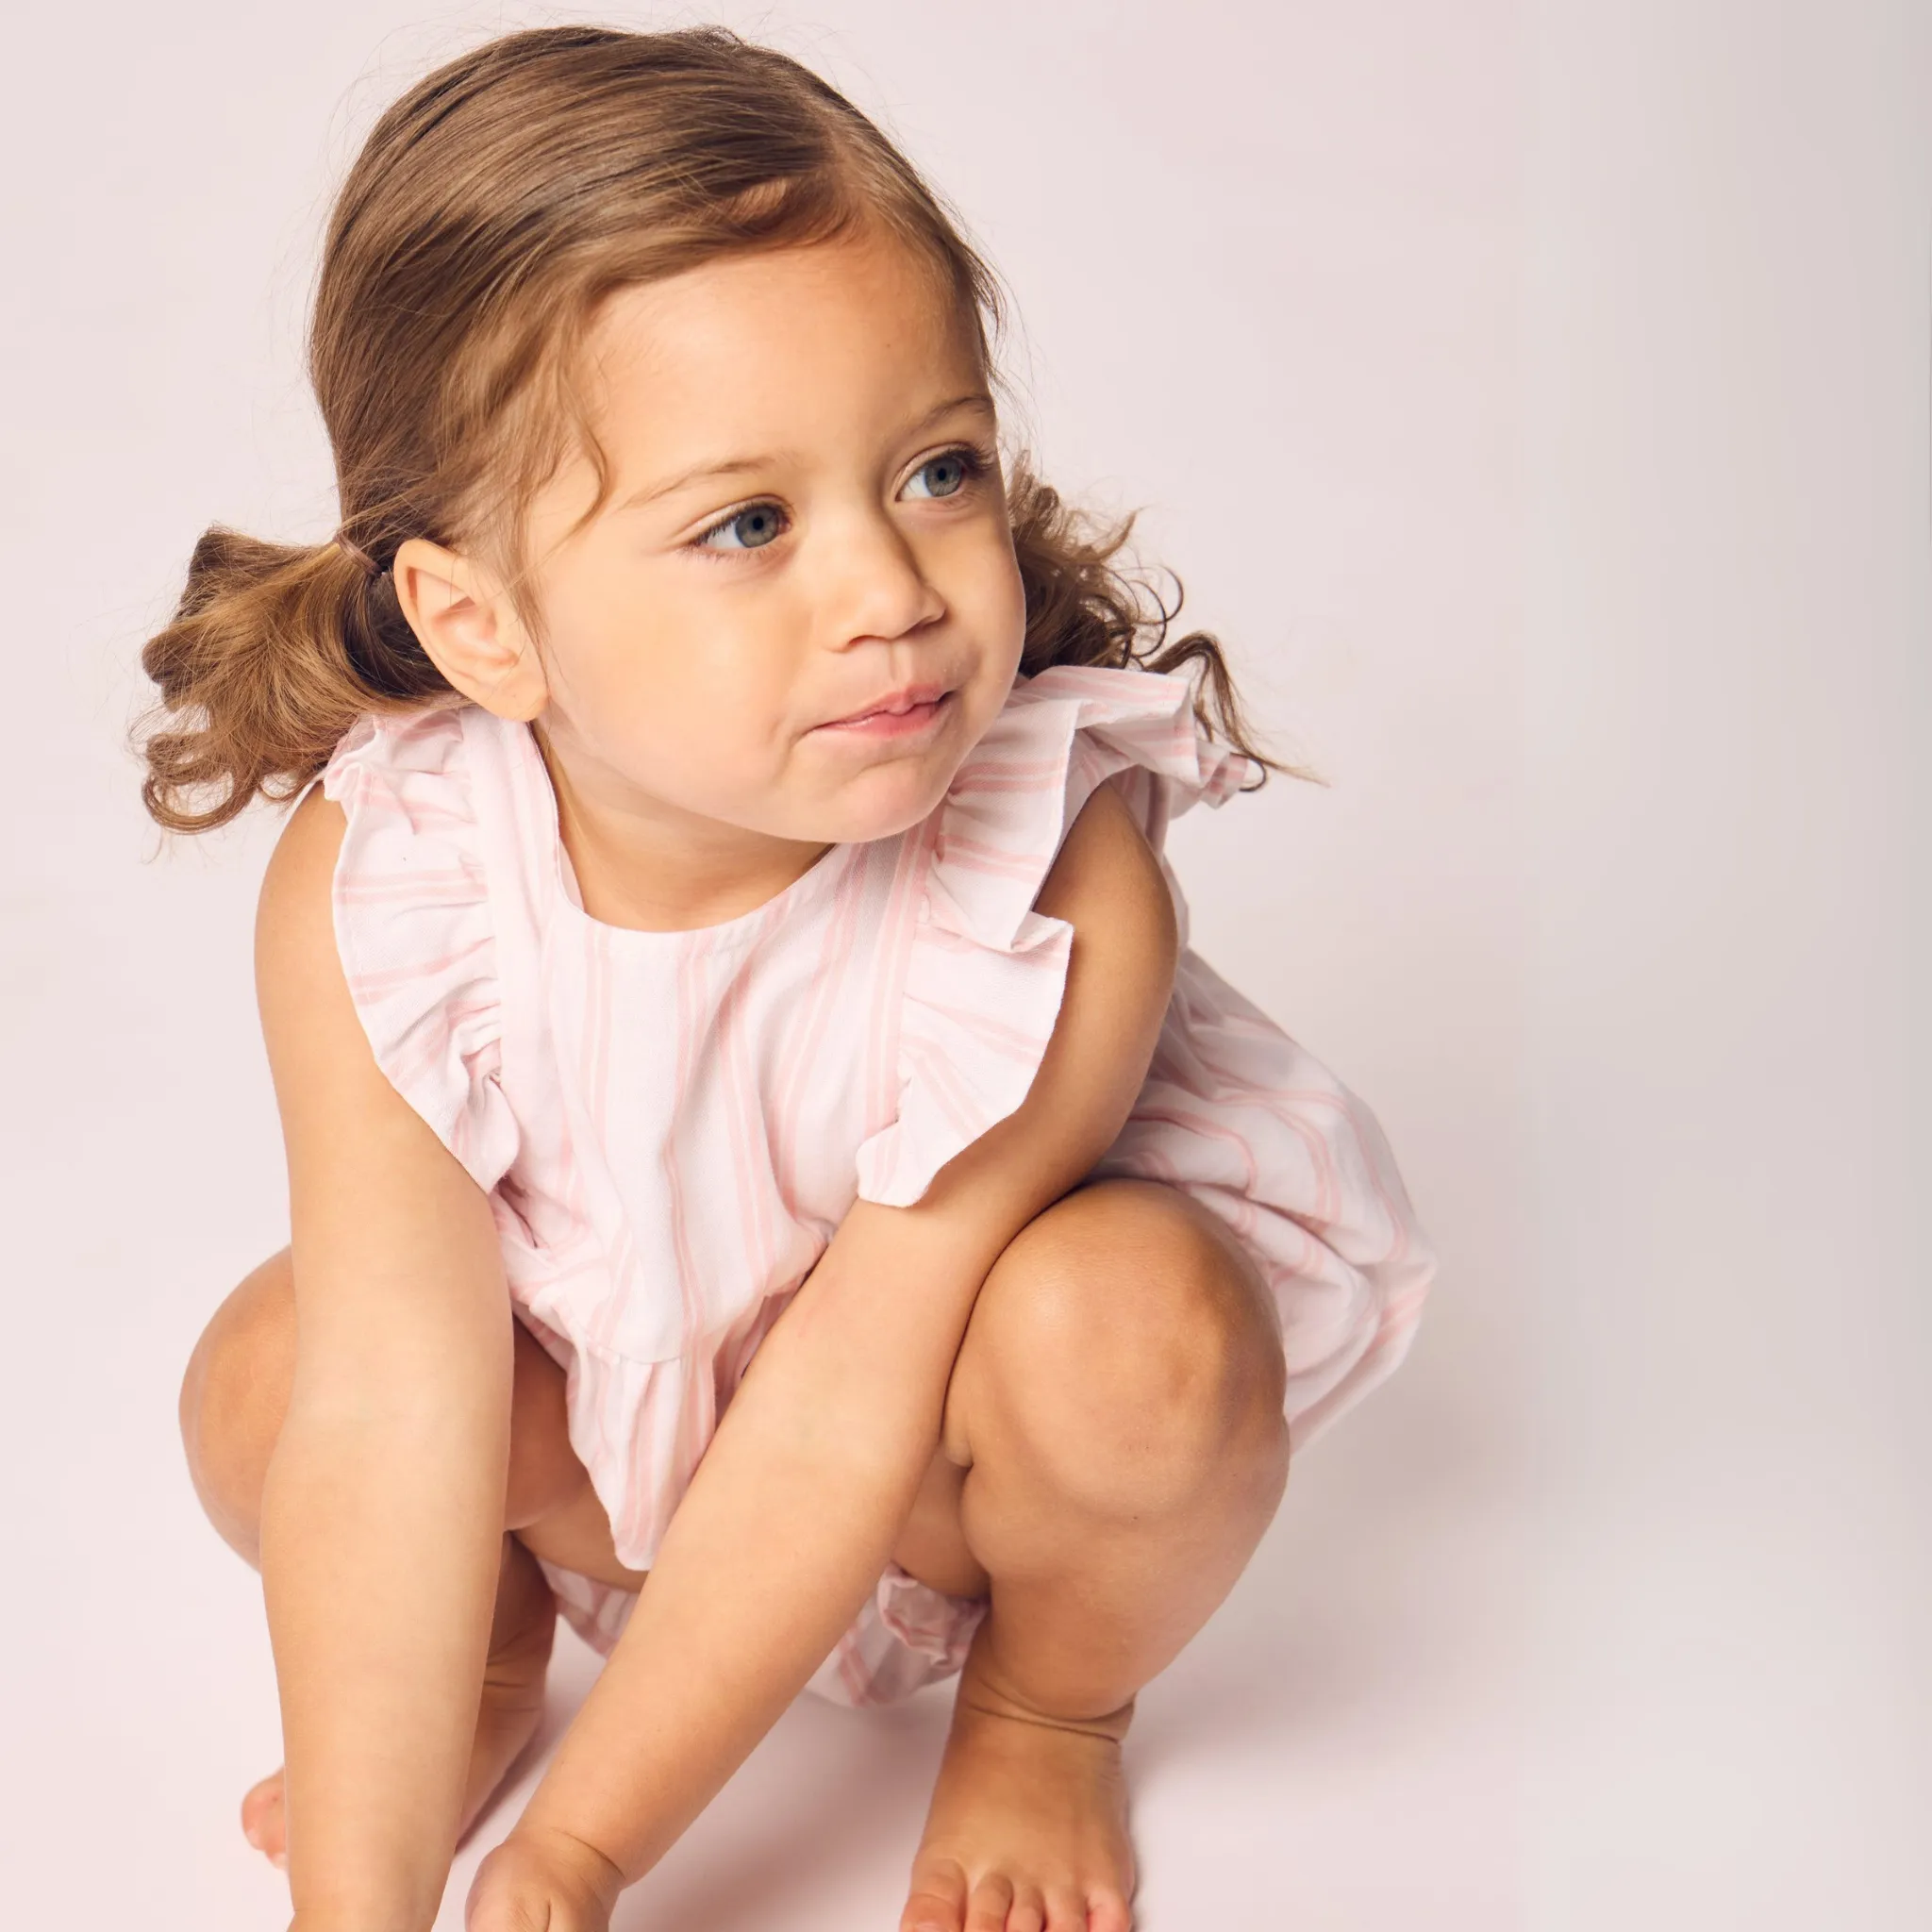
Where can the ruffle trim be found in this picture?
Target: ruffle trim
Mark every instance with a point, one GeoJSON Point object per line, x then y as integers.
{"type": "Point", "coordinates": [414, 929]}
{"type": "Point", "coordinates": [985, 973]}
{"type": "Point", "coordinates": [905, 1636]}
{"type": "Point", "coordinates": [1245, 1119]}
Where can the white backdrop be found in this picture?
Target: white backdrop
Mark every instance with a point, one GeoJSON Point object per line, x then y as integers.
{"type": "Point", "coordinates": [1535, 396]}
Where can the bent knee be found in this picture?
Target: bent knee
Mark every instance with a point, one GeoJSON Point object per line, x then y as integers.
{"type": "Point", "coordinates": [234, 1394]}
{"type": "Point", "coordinates": [1130, 1344]}
{"type": "Point", "coordinates": [234, 1397]}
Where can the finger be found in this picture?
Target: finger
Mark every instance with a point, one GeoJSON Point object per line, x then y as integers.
{"type": "Point", "coordinates": [499, 1904]}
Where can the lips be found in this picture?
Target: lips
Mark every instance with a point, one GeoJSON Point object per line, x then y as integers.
{"type": "Point", "coordinates": [896, 704]}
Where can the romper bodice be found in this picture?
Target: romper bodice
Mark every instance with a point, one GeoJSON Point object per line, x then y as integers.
{"type": "Point", "coordinates": [671, 1125]}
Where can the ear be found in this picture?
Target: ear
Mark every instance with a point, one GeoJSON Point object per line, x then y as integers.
{"type": "Point", "coordinates": [465, 621]}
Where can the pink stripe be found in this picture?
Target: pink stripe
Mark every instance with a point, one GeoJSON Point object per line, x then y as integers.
{"type": "Point", "coordinates": [458, 885]}
{"type": "Point", "coordinates": [692, 1427]}
{"type": "Point", "coordinates": [744, 1119]}
{"type": "Point", "coordinates": [1005, 774]}
{"type": "Point", "coordinates": [374, 982]}
{"type": "Point", "coordinates": [898, 929]}
{"type": "Point", "coordinates": [837, 967]}
{"type": "Point", "coordinates": [996, 1034]}
{"type": "Point", "coordinates": [971, 855]}
{"type": "Point", "coordinates": [958, 1101]}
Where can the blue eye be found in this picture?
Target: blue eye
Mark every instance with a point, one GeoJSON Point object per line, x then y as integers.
{"type": "Point", "coordinates": [759, 525]}
{"type": "Point", "coordinates": [749, 530]}
{"type": "Point", "coordinates": [946, 475]}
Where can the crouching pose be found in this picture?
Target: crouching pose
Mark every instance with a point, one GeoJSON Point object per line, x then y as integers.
{"type": "Point", "coordinates": [769, 1180]}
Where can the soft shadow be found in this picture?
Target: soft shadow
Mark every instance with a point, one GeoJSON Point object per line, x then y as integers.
{"type": "Point", "coordinates": [1275, 1664]}
{"type": "Point", "coordinates": [563, 1694]}
{"type": "Point", "coordinates": [829, 1803]}
{"type": "Point", "coordinates": [830, 1798]}
{"type": "Point", "coordinates": [1320, 1625]}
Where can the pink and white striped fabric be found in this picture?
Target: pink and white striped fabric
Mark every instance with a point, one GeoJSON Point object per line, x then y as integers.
{"type": "Point", "coordinates": [671, 1125]}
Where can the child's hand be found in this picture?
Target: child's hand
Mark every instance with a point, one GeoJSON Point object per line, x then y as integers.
{"type": "Point", "coordinates": [542, 1881]}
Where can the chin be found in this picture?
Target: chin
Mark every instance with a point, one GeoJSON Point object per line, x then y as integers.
{"type": "Point", "coordinates": [887, 802]}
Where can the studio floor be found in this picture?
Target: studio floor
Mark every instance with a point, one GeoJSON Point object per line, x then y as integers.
{"type": "Point", "coordinates": [1341, 1748]}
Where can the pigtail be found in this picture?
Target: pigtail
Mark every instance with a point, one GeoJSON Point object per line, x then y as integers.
{"type": "Point", "coordinates": [1081, 608]}
{"type": "Point", "coordinates": [273, 652]}
{"type": "Point", "coordinates": [491, 211]}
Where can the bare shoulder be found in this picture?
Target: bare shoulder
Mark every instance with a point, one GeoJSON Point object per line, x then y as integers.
{"type": "Point", "coordinates": [297, 971]}
{"type": "Point", "coordinates": [389, 1229]}
{"type": "Point", "coordinates": [301, 870]}
{"type": "Point", "coordinates": [1107, 880]}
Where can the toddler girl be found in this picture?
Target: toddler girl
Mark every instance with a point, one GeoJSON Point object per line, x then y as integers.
{"type": "Point", "coordinates": [752, 1115]}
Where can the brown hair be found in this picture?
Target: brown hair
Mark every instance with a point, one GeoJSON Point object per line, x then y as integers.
{"type": "Point", "coordinates": [491, 210]}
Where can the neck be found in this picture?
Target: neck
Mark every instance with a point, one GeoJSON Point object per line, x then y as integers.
{"type": "Point", "coordinates": [648, 864]}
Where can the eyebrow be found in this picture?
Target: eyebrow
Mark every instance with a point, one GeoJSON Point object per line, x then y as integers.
{"type": "Point", "coordinates": [737, 466]}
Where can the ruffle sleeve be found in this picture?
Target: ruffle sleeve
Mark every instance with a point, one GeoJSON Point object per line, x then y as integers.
{"type": "Point", "coordinates": [413, 927]}
{"type": "Point", "coordinates": [985, 973]}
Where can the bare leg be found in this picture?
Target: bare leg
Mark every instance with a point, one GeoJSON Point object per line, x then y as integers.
{"type": "Point", "coordinates": [233, 1400]}
{"type": "Point", "coordinates": [1114, 1448]}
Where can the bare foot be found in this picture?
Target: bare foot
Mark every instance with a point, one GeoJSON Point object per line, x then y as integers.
{"type": "Point", "coordinates": [1028, 1826]}
{"type": "Point", "coordinates": [507, 1719]}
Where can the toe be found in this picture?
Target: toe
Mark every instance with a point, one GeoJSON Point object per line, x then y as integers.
{"type": "Point", "coordinates": [987, 1909]}
{"type": "Point", "coordinates": [262, 1823]}
{"type": "Point", "coordinates": [1065, 1912]}
{"type": "Point", "coordinates": [939, 1899]}
{"type": "Point", "coordinates": [1107, 1911]}
{"type": "Point", "coordinates": [1027, 1912]}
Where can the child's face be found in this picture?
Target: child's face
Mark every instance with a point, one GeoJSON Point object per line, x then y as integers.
{"type": "Point", "coordinates": [806, 519]}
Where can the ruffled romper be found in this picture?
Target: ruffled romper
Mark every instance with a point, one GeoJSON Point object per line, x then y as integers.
{"type": "Point", "coordinates": [671, 1125]}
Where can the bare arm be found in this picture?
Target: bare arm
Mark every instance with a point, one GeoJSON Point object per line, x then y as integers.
{"type": "Point", "coordinates": [795, 1508]}
{"type": "Point", "coordinates": [382, 1513]}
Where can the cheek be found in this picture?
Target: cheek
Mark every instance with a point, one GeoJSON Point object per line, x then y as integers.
{"type": "Point", "coordinates": [658, 683]}
{"type": "Point", "coordinates": [698, 727]}
{"type": "Point", "coordinates": [999, 594]}
{"type": "Point", "coordinates": [998, 619]}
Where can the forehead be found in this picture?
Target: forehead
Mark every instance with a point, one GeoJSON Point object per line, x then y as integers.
{"type": "Point", "coordinates": [848, 337]}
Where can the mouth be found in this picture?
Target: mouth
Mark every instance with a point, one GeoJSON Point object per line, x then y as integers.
{"type": "Point", "coordinates": [900, 713]}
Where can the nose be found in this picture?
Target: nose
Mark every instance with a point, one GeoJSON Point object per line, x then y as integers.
{"type": "Point", "coordinates": [875, 587]}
